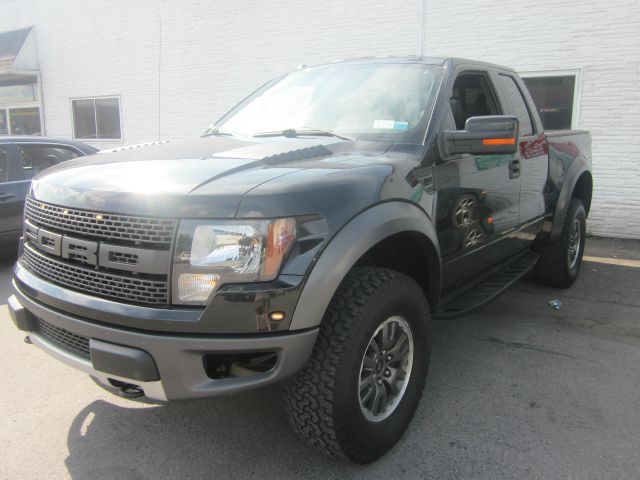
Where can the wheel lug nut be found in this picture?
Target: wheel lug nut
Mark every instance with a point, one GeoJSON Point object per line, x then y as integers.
{"type": "Point", "coordinates": [387, 373]}
{"type": "Point", "coordinates": [388, 358]}
{"type": "Point", "coordinates": [379, 381]}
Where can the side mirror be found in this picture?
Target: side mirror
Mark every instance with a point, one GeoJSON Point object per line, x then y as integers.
{"type": "Point", "coordinates": [483, 136]}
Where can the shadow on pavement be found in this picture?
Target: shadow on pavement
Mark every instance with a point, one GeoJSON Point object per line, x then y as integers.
{"type": "Point", "coordinates": [7, 259]}
{"type": "Point", "coordinates": [231, 437]}
{"type": "Point", "coordinates": [516, 360]}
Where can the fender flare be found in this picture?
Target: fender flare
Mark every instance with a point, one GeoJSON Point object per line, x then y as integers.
{"type": "Point", "coordinates": [579, 166]}
{"type": "Point", "coordinates": [350, 244]}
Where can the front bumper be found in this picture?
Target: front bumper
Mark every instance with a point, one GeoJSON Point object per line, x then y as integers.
{"type": "Point", "coordinates": [128, 356]}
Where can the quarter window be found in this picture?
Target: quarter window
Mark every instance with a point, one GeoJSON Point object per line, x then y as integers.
{"type": "Point", "coordinates": [96, 118]}
{"type": "Point", "coordinates": [518, 104]}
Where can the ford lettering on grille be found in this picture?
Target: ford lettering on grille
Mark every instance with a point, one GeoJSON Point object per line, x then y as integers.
{"type": "Point", "coordinates": [98, 254]}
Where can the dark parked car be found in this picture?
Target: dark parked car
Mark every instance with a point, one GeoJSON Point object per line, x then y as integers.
{"type": "Point", "coordinates": [21, 158]}
{"type": "Point", "coordinates": [309, 236]}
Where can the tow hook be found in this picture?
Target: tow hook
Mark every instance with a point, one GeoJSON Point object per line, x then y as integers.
{"type": "Point", "coordinates": [129, 390]}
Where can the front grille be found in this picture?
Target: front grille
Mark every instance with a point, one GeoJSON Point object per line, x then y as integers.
{"type": "Point", "coordinates": [129, 289]}
{"type": "Point", "coordinates": [101, 225]}
{"type": "Point", "coordinates": [64, 338]}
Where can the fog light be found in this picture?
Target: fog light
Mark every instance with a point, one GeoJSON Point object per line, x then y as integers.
{"type": "Point", "coordinates": [196, 287]}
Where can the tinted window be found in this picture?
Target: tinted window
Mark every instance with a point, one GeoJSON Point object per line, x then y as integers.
{"type": "Point", "coordinates": [471, 96]}
{"type": "Point", "coordinates": [553, 97]}
{"type": "Point", "coordinates": [84, 119]}
{"type": "Point", "coordinates": [108, 117]}
{"type": "Point", "coordinates": [36, 158]}
{"type": "Point", "coordinates": [4, 125]}
{"type": "Point", "coordinates": [4, 172]}
{"type": "Point", "coordinates": [519, 105]}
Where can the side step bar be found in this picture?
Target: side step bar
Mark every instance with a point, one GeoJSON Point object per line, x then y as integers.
{"type": "Point", "coordinates": [472, 296]}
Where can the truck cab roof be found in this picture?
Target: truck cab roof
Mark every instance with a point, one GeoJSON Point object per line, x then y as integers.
{"type": "Point", "coordinates": [427, 60]}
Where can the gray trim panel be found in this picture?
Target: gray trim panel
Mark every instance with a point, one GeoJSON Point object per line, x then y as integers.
{"type": "Point", "coordinates": [178, 357]}
{"type": "Point", "coordinates": [578, 166]}
{"type": "Point", "coordinates": [349, 245]}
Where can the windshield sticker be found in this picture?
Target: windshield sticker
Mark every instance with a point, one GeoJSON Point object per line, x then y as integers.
{"type": "Point", "coordinates": [391, 125]}
{"type": "Point", "coordinates": [387, 124]}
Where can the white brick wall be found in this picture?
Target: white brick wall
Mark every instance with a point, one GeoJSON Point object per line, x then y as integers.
{"type": "Point", "coordinates": [178, 66]}
{"type": "Point", "coordinates": [600, 38]}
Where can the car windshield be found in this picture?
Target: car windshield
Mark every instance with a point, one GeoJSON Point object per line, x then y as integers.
{"type": "Point", "coordinates": [366, 101]}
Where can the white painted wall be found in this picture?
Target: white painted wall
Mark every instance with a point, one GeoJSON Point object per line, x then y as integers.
{"type": "Point", "coordinates": [178, 66]}
{"type": "Point", "coordinates": [602, 39]}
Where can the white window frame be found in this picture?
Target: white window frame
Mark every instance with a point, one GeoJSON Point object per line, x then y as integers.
{"type": "Point", "coordinates": [95, 113]}
{"type": "Point", "coordinates": [577, 88]}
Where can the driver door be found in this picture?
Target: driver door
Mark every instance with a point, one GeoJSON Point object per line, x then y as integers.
{"type": "Point", "coordinates": [477, 195]}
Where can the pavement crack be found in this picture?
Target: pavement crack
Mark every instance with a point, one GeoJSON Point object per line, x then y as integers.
{"type": "Point", "coordinates": [524, 346]}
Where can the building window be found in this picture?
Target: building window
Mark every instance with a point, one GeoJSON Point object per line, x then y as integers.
{"type": "Point", "coordinates": [20, 110]}
{"type": "Point", "coordinates": [96, 118]}
{"type": "Point", "coordinates": [557, 97]}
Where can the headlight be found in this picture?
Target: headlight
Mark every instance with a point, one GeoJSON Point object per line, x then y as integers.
{"type": "Point", "coordinates": [210, 253]}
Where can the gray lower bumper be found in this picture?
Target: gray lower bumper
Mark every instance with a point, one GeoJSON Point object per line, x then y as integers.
{"type": "Point", "coordinates": [179, 359]}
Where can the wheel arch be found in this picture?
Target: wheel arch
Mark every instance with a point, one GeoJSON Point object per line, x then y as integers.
{"type": "Point", "coordinates": [578, 183]}
{"type": "Point", "coordinates": [583, 189]}
{"type": "Point", "coordinates": [372, 238]}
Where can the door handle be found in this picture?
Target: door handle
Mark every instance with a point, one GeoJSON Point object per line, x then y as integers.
{"type": "Point", "coordinates": [514, 168]}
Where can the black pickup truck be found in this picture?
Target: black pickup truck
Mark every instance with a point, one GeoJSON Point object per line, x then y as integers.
{"type": "Point", "coordinates": [311, 235]}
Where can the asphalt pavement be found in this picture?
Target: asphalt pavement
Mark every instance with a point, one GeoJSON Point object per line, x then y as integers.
{"type": "Point", "coordinates": [516, 390]}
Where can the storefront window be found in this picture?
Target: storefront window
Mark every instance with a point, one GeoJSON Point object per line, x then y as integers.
{"type": "Point", "coordinates": [25, 121]}
{"type": "Point", "coordinates": [20, 121]}
{"type": "Point", "coordinates": [20, 110]}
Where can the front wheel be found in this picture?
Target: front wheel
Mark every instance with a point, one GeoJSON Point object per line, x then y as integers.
{"type": "Point", "coordinates": [362, 384]}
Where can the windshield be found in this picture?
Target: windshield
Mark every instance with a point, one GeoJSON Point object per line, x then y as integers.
{"type": "Point", "coordinates": [374, 101]}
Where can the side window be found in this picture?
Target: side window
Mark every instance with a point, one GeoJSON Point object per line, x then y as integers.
{"type": "Point", "coordinates": [35, 158]}
{"type": "Point", "coordinates": [4, 166]}
{"type": "Point", "coordinates": [519, 105]}
{"type": "Point", "coordinates": [471, 96]}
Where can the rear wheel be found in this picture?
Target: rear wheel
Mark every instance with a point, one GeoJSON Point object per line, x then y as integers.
{"type": "Point", "coordinates": [560, 261]}
{"type": "Point", "coordinates": [362, 384]}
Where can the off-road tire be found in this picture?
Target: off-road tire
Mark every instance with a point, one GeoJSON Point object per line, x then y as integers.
{"type": "Point", "coordinates": [553, 268]}
{"type": "Point", "coordinates": [323, 402]}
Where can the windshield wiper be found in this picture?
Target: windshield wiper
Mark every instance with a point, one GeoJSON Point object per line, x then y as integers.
{"type": "Point", "coordinates": [214, 131]}
{"type": "Point", "coordinates": [303, 131]}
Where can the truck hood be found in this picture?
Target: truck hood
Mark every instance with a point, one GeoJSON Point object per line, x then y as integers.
{"type": "Point", "coordinates": [207, 177]}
